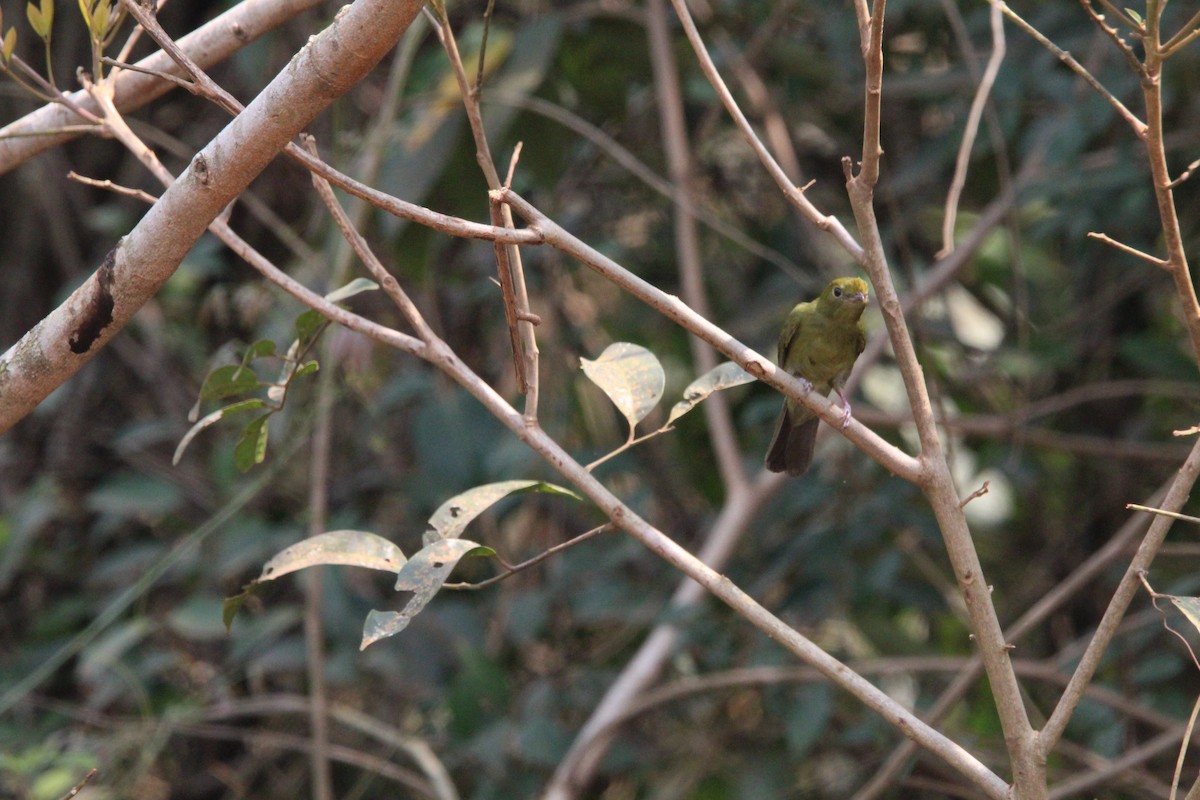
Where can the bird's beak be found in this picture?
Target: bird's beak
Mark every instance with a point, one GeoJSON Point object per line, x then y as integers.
{"type": "Point", "coordinates": [858, 297]}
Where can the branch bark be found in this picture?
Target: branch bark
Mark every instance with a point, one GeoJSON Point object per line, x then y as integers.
{"type": "Point", "coordinates": [209, 44]}
{"type": "Point", "coordinates": [323, 70]}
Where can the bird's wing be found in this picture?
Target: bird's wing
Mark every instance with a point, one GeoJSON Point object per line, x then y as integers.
{"type": "Point", "coordinates": [789, 333]}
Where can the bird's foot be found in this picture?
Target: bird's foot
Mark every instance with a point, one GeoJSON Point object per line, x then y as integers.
{"type": "Point", "coordinates": [845, 409]}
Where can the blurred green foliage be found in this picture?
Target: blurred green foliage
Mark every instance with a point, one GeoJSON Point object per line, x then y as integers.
{"type": "Point", "coordinates": [498, 681]}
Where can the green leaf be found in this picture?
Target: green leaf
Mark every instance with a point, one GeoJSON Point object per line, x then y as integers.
{"type": "Point", "coordinates": [722, 376]}
{"type": "Point", "coordinates": [423, 575]}
{"type": "Point", "coordinates": [41, 19]}
{"type": "Point", "coordinates": [631, 376]}
{"type": "Point", "coordinates": [85, 10]}
{"type": "Point", "coordinates": [212, 419]}
{"type": "Point", "coordinates": [10, 43]}
{"type": "Point", "coordinates": [308, 327]}
{"type": "Point", "coordinates": [453, 516]}
{"type": "Point", "coordinates": [356, 286]}
{"type": "Point", "coordinates": [307, 368]}
{"type": "Point", "coordinates": [227, 381]}
{"type": "Point", "coordinates": [260, 349]}
{"type": "Point", "coordinates": [348, 548]}
{"type": "Point", "coordinates": [251, 447]}
{"type": "Point", "coordinates": [102, 18]}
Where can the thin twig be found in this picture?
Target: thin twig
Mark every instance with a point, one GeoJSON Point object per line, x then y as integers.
{"type": "Point", "coordinates": [483, 40]}
{"type": "Point", "coordinates": [1163, 512]}
{"type": "Point", "coordinates": [980, 492]}
{"type": "Point", "coordinates": [508, 296]}
{"type": "Point", "coordinates": [1095, 565]}
{"type": "Point", "coordinates": [509, 265]}
{"type": "Point", "coordinates": [1126, 590]}
{"type": "Point", "coordinates": [978, 104]}
{"type": "Point", "coordinates": [1187, 173]}
{"type": "Point", "coordinates": [1160, 173]}
{"type": "Point", "coordinates": [389, 284]}
{"type": "Point", "coordinates": [1131, 58]}
{"type": "Point", "coordinates": [201, 84]}
{"type": "Point", "coordinates": [418, 750]}
{"type": "Point", "coordinates": [1186, 35]}
{"type": "Point", "coordinates": [797, 198]}
{"type": "Point", "coordinates": [182, 83]}
{"type": "Point", "coordinates": [208, 88]}
{"type": "Point", "coordinates": [1133, 251]}
{"type": "Point", "coordinates": [936, 481]}
{"type": "Point", "coordinates": [509, 571]}
{"type": "Point", "coordinates": [1138, 126]}
{"type": "Point", "coordinates": [1187, 737]}
{"type": "Point", "coordinates": [1166, 623]}
{"type": "Point", "coordinates": [512, 164]}
{"type": "Point", "coordinates": [1121, 14]}
{"type": "Point", "coordinates": [115, 188]}
{"type": "Point", "coordinates": [77, 788]}
{"type": "Point", "coordinates": [321, 778]}
{"type": "Point", "coordinates": [261, 739]}
{"type": "Point", "coordinates": [676, 148]}
{"type": "Point", "coordinates": [863, 15]}
{"type": "Point", "coordinates": [44, 90]}
{"type": "Point", "coordinates": [632, 442]}
{"type": "Point", "coordinates": [643, 173]}
{"type": "Point", "coordinates": [872, 49]}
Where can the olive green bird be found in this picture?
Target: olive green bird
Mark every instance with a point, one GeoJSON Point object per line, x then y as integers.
{"type": "Point", "coordinates": [819, 343]}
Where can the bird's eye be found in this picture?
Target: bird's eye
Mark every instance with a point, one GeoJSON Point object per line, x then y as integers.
{"type": "Point", "coordinates": [837, 291]}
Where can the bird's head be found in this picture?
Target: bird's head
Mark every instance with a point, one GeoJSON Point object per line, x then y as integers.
{"type": "Point", "coordinates": [844, 298]}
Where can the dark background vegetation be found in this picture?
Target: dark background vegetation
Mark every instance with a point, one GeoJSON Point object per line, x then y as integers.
{"type": "Point", "coordinates": [498, 681]}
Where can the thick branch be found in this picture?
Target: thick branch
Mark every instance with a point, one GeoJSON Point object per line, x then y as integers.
{"type": "Point", "coordinates": [324, 69]}
{"type": "Point", "coordinates": [1028, 772]}
{"type": "Point", "coordinates": [207, 45]}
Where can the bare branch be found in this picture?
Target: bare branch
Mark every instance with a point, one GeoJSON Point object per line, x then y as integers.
{"type": "Point", "coordinates": [1133, 251]}
{"type": "Point", "coordinates": [687, 242]}
{"type": "Point", "coordinates": [124, 191]}
{"type": "Point", "coordinates": [1176, 496]}
{"type": "Point", "coordinates": [210, 44]}
{"type": "Point", "coordinates": [972, 128]}
{"type": "Point", "coordinates": [829, 224]}
{"type": "Point", "coordinates": [508, 257]}
{"type": "Point", "coordinates": [65, 340]}
{"type": "Point", "coordinates": [1138, 126]}
{"type": "Point", "coordinates": [509, 571]}
{"type": "Point", "coordinates": [647, 176]}
{"type": "Point", "coordinates": [935, 478]}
